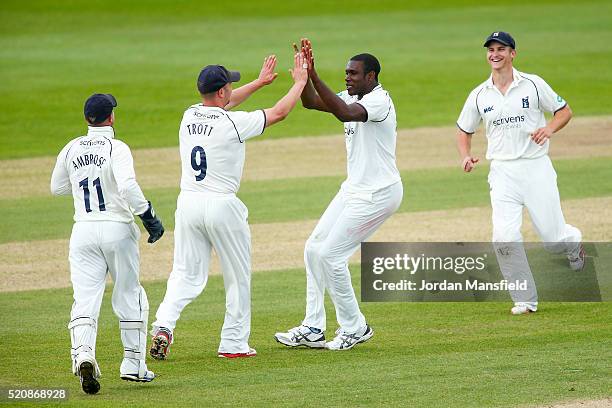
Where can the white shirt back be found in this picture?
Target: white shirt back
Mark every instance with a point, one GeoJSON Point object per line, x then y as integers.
{"type": "Point", "coordinates": [211, 144]}
{"type": "Point", "coordinates": [511, 119]}
{"type": "Point", "coordinates": [370, 145]}
{"type": "Point", "coordinates": [98, 171]}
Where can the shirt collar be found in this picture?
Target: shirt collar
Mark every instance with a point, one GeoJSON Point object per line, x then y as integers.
{"type": "Point", "coordinates": [105, 131]}
{"type": "Point", "coordinates": [200, 105]}
{"type": "Point", "coordinates": [376, 88]}
{"type": "Point", "coordinates": [516, 79]}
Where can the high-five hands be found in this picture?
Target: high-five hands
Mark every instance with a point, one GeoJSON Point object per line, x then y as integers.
{"type": "Point", "coordinates": [300, 68]}
{"type": "Point", "coordinates": [267, 74]}
{"type": "Point", "coordinates": [306, 49]}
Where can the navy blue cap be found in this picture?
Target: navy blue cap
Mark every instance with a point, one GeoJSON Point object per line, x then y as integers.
{"type": "Point", "coordinates": [502, 38]}
{"type": "Point", "coordinates": [214, 77]}
{"type": "Point", "coordinates": [98, 107]}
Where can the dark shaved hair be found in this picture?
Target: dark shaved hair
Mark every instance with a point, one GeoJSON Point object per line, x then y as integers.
{"type": "Point", "coordinates": [370, 63]}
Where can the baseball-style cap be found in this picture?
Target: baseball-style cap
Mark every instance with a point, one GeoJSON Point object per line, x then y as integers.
{"type": "Point", "coordinates": [502, 38]}
{"type": "Point", "coordinates": [214, 77]}
{"type": "Point", "coordinates": [98, 107]}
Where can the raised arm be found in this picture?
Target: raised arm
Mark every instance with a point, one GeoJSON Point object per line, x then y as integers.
{"type": "Point", "coordinates": [282, 108]}
{"type": "Point", "coordinates": [331, 102]}
{"type": "Point", "coordinates": [310, 98]}
{"type": "Point", "coordinates": [266, 77]}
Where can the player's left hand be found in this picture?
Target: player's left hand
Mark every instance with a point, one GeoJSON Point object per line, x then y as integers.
{"type": "Point", "coordinates": [152, 224]}
{"type": "Point", "coordinates": [267, 74]}
{"type": "Point", "coordinates": [541, 135]}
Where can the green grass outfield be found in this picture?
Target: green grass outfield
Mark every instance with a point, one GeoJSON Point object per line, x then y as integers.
{"type": "Point", "coordinates": [422, 354]}
{"type": "Point", "coordinates": [37, 218]}
{"type": "Point", "coordinates": [53, 55]}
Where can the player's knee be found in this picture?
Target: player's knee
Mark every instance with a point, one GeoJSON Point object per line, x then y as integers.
{"type": "Point", "coordinates": [311, 249]}
{"type": "Point", "coordinates": [126, 305]}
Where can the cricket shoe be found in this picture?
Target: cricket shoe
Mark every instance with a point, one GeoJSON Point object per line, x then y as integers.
{"type": "Point", "coordinates": [523, 308]}
{"type": "Point", "coordinates": [88, 375]}
{"type": "Point", "coordinates": [346, 341]}
{"type": "Point", "coordinates": [302, 336]}
{"type": "Point", "coordinates": [576, 260]}
{"type": "Point", "coordinates": [147, 377]}
{"type": "Point", "coordinates": [251, 353]}
{"type": "Point", "coordinates": [160, 344]}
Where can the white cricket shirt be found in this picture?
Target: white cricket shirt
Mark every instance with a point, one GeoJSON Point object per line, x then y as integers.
{"type": "Point", "coordinates": [212, 147]}
{"type": "Point", "coordinates": [98, 170]}
{"type": "Point", "coordinates": [511, 119]}
{"type": "Point", "coordinates": [370, 145]}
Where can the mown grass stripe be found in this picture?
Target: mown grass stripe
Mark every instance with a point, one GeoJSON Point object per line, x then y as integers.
{"type": "Point", "coordinates": [301, 199]}
{"type": "Point", "coordinates": [154, 80]}
{"type": "Point", "coordinates": [422, 354]}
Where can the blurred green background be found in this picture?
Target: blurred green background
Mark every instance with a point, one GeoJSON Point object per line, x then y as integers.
{"type": "Point", "coordinates": [53, 55]}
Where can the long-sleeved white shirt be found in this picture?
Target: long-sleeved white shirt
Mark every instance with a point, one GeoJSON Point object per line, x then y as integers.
{"type": "Point", "coordinates": [99, 172]}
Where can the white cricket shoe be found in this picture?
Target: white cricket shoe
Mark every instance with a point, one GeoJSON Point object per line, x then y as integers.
{"type": "Point", "coordinates": [251, 353]}
{"type": "Point", "coordinates": [301, 336]}
{"type": "Point", "coordinates": [345, 341]}
{"type": "Point", "coordinates": [147, 377]}
{"type": "Point", "coordinates": [523, 308]}
{"type": "Point", "coordinates": [133, 369]}
{"type": "Point", "coordinates": [576, 259]}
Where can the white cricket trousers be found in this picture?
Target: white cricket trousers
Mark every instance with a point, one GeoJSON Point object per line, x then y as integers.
{"type": "Point", "coordinates": [95, 248]}
{"type": "Point", "coordinates": [530, 183]}
{"type": "Point", "coordinates": [204, 221]}
{"type": "Point", "coordinates": [348, 220]}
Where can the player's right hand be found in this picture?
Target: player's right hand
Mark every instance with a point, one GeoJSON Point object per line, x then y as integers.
{"type": "Point", "coordinates": [308, 55]}
{"type": "Point", "coordinates": [469, 163]}
{"type": "Point", "coordinates": [152, 224]}
{"type": "Point", "coordinates": [306, 49]}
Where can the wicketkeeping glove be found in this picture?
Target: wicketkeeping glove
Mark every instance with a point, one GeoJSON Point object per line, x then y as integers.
{"type": "Point", "coordinates": [152, 224]}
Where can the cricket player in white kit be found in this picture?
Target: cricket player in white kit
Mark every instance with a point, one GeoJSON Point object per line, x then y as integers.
{"type": "Point", "coordinates": [371, 193]}
{"type": "Point", "coordinates": [209, 215]}
{"type": "Point", "coordinates": [98, 171]}
{"type": "Point", "coordinates": [512, 106]}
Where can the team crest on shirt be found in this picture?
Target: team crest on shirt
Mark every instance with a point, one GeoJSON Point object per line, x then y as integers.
{"type": "Point", "coordinates": [526, 102]}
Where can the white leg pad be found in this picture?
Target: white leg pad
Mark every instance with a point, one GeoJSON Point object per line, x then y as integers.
{"type": "Point", "coordinates": [134, 337]}
{"type": "Point", "coordinates": [82, 336]}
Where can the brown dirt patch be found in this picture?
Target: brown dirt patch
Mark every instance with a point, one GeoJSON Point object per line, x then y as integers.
{"type": "Point", "coordinates": [603, 403]}
{"type": "Point", "coordinates": [314, 156]}
{"type": "Point", "coordinates": [44, 264]}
